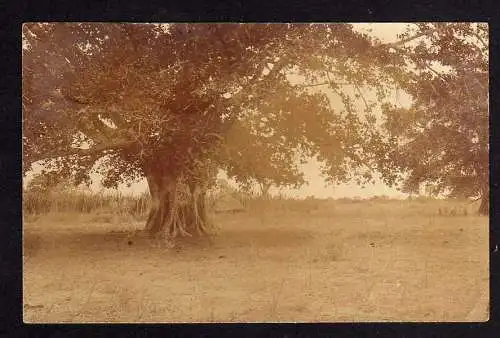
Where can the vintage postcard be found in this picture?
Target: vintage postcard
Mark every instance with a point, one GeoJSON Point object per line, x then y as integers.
{"type": "Point", "coordinates": [217, 173]}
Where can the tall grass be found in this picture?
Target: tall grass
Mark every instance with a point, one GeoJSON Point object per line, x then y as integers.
{"type": "Point", "coordinates": [38, 202]}
{"type": "Point", "coordinates": [35, 203]}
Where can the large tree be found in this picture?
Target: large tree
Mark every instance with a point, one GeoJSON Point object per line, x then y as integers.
{"type": "Point", "coordinates": [174, 103]}
{"type": "Point", "coordinates": [441, 140]}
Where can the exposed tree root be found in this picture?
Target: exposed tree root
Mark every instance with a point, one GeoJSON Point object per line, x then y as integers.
{"type": "Point", "coordinates": [484, 208]}
{"type": "Point", "coordinates": [176, 211]}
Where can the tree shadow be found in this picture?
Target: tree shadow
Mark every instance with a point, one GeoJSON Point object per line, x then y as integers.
{"type": "Point", "coordinates": [102, 242]}
{"type": "Point", "coordinates": [264, 238]}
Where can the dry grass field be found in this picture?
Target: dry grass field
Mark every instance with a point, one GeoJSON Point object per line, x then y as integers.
{"type": "Point", "coordinates": [320, 261]}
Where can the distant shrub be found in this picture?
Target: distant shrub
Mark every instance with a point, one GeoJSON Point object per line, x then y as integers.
{"type": "Point", "coordinates": [347, 200]}
{"type": "Point", "coordinates": [380, 199]}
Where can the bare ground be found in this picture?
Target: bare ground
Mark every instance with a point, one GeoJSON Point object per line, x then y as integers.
{"type": "Point", "coordinates": [384, 261]}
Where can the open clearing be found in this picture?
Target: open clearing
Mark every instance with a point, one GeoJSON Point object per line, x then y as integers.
{"type": "Point", "coordinates": [336, 262]}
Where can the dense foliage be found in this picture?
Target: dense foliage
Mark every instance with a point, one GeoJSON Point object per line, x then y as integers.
{"type": "Point", "coordinates": [442, 139]}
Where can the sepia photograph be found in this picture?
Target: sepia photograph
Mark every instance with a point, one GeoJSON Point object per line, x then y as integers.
{"type": "Point", "coordinates": [255, 172]}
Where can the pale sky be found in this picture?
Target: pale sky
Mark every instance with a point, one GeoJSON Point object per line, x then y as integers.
{"type": "Point", "coordinates": [386, 32]}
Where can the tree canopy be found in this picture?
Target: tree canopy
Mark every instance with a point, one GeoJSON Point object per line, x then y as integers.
{"type": "Point", "coordinates": [442, 139]}
{"type": "Point", "coordinates": [138, 93]}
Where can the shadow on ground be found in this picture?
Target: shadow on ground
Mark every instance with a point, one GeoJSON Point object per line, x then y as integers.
{"type": "Point", "coordinates": [75, 242]}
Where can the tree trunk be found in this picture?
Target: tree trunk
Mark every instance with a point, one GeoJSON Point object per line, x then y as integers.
{"type": "Point", "coordinates": [484, 208]}
{"type": "Point", "coordinates": [175, 211]}
{"type": "Point", "coordinates": [197, 222]}
{"type": "Point", "coordinates": [264, 190]}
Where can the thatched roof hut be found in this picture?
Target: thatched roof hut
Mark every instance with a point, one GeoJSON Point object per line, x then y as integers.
{"type": "Point", "coordinates": [227, 203]}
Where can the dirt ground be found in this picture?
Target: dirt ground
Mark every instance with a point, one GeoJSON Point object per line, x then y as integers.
{"type": "Point", "coordinates": [384, 261]}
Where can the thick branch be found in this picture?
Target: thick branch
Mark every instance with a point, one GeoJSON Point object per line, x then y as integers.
{"type": "Point", "coordinates": [96, 149]}
{"type": "Point", "coordinates": [257, 80]}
